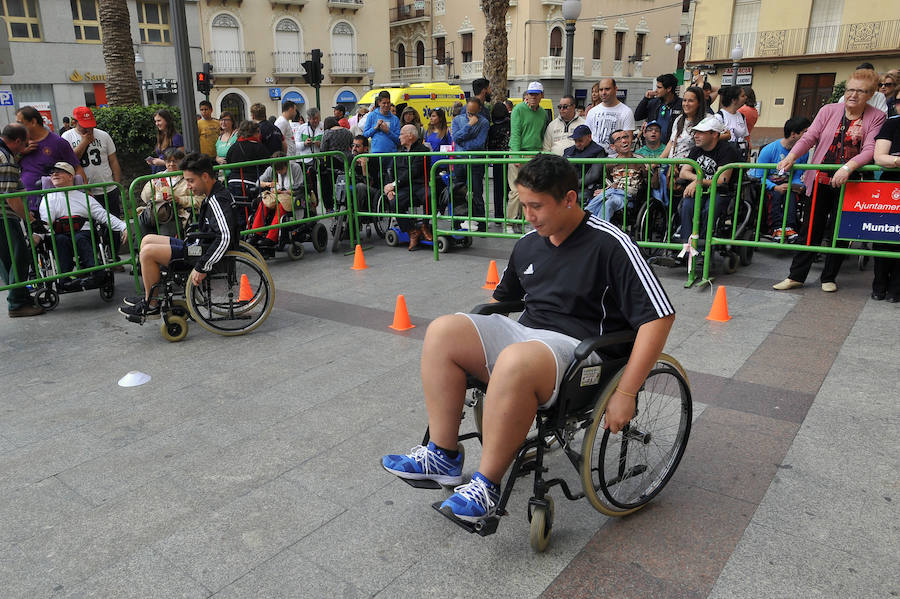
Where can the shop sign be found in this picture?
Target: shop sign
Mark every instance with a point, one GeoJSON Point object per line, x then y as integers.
{"type": "Point", "coordinates": [77, 77]}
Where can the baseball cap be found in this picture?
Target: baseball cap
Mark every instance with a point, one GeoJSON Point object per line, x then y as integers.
{"type": "Point", "coordinates": [580, 131]}
{"type": "Point", "coordinates": [710, 123]}
{"type": "Point", "coordinates": [654, 124]}
{"type": "Point", "coordinates": [339, 107]}
{"type": "Point", "coordinates": [63, 166]}
{"type": "Point", "coordinates": [84, 116]}
{"type": "Point", "coordinates": [535, 87]}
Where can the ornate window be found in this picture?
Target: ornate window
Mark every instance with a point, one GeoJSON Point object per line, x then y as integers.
{"type": "Point", "coordinates": [556, 44]}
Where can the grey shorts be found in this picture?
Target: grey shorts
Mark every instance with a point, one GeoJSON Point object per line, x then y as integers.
{"type": "Point", "coordinates": [497, 331]}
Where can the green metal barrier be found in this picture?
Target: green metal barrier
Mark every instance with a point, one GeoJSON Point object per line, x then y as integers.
{"type": "Point", "coordinates": [368, 207]}
{"type": "Point", "coordinates": [646, 238]}
{"type": "Point", "coordinates": [755, 240]}
{"type": "Point", "coordinates": [21, 279]}
{"type": "Point", "coordinates": [236, 169]}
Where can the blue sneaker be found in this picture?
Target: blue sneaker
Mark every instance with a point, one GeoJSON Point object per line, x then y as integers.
{"type": "Point", "coordinates": [425, 463]}
{"type": "Point", "coordinates": [474, 500]}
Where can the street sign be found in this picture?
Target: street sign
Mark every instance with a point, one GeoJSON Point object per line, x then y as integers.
{"type": "Point", "coordinates": [6, 98]}
{"type": "Point", "coordinates": [275, 93]}
{"type": "Point", "coordinates": [419, 5]}
{"type": "Point", "coordinates": [744, 76]}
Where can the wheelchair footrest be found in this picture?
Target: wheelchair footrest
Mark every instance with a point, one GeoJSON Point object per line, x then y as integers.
{"type": "Point", "coordinates": [422, 484]}
{"type": "Point", "coordinates": [136, 319]}
{"type": "Point", "coordinates": [484, 527]}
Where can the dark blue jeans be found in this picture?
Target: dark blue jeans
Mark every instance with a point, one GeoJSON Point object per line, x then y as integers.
{"type": "Point", "coordinates": [776, 210]}
{"type": "Point", "coordinates": [66, 254]}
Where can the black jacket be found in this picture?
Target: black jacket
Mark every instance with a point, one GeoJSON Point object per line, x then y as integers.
{"type": "Point", "coordinates": [413, 169]}
{"type": "Point", "coordinates": [217, 218]}
{"type": "Point", "coordinates": [656, 110]}
{"type": "Point", "coordinates": [592, 150]}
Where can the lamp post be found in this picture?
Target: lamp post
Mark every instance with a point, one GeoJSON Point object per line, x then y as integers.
{"type": "Point", "coordinates": [570, 10]}
{"type": "Point", "coordinates": [371, 72]}
{"type": "Point", "coordinates": [737, 53]}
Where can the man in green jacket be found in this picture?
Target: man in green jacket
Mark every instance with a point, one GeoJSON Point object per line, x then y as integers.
{"type": "Point", "coordinates": [527, 125]}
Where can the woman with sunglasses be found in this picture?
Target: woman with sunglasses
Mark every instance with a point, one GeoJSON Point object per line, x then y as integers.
{"type": "Point", "coordinates": [888, 86]}
{"type": "Point", "coordinates": [843, 133]}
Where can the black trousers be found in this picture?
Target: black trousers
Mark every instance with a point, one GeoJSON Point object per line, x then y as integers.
{"type": "Point", "coordinates": [887, 271]}
{"type": "Point", "coordinates": [814, 228]}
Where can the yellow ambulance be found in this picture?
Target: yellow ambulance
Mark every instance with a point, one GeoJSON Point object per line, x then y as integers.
{"type": "Point", "coordinates": [424, 97]}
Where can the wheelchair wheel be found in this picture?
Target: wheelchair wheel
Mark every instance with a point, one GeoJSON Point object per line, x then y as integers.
{"type": "Point", "coordinates": [246, 246]}
{"type": "Point", "coordinates": [390, 237]}
{"type": "Point", "coordinates": [745, 252]}
{"type": "Point", "coordinates": [216, 303]}
{"type": "Point", "coordinates": [731, 263]}
{"type": "Point", "coordinates": [651, 225]}
{"type": "Point", "coordinates": [382, 223]}
{"type": "Point", "coordinates": [541, 525]}
{"type": "Point", "coordinates": [179, 308]}
{"type": "Point", "coordinates": [295, 250]}
{"type": "Point", "coordinates": [319, 235]}
{"type": "Point", "coordinates": [621, 472]}
{"type": "Point", "coordinates": [47, 298]}
{"type": "Point", "coordinates": [174, 328]}
{"type": "Point", "coordinates": [108, 289]}
{"type": "Point", "coordinates": [443, 244]}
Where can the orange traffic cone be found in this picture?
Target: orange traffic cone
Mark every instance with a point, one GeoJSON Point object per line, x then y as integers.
{"type": "Point", "coordinates": [493, 279]}
{"type": "Point", "coordinates": [359, 261]}
{"type": "Point", "coordinates": [245, 294]}
{"type": "Point", "coordinates": [719, 310]}
{"type": "Point", "coordinates": [401, 316]}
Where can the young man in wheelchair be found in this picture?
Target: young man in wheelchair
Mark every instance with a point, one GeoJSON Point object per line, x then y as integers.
{"type": "Point", "coordinates": [218, 230]}
{"type": "Point", "coordinates": [579, 277]}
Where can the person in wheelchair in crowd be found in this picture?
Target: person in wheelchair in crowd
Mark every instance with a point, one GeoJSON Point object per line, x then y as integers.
{"type": "Point", "coordinates": [623, 181]}
{"type": "Point", "coordinates": [410, 187]}
{"type": "Point", "coordinates": [777, 184]}
{"type": "Point", "coordinates": [65, 211]}
{"type": "Point", "coordinates": [335, 139]}
{"type": "Point", "coordinates": [367, 193]}
{"type": "Point", "coordinates": [710, 152]}
{"type": "Point", "coordinates": [579, 277]}
{"type": "Point", "coordinates": [585, 146]}
{"type": "Point", "coordinates": [279, 185]}
{"type": "Point", "coordinates": [216, 220]}
{"type": "Point", "coordinates": [161, 197]}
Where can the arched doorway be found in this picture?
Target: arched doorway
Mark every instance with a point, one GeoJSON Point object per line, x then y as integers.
{"type": "Point", "coordinates": [235, 104]}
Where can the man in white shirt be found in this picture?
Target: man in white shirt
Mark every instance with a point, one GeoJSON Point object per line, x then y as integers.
{"type": "Point", "coordinates": [65, 206]}
{"type": "Point", "coordinates": [97, 153]}
{"type": "Point", "coordinates": [309, 135]}
{"type": "Point", "coordinates": [608, 116]}
{"type": "Point", "coordinates": [558, 135]}
{"type": "Point", "coordinates": [288, 110]}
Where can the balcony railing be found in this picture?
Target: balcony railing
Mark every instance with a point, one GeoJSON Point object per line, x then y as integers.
{"type": "Point", "coordinates": [232, 62]}
{"type": "Point", "coordinates": [833, 39]}
{"type": "Point", "coordinates": [596, 67]}
{"type": "Point", "coordinates": [555, 66]}
{"type": "Point", "coordinates": [411, 74]}
{"type": "Point", "coordinates": [409, 11]}
{"type": "Point", "coordinates": [348, 64]}
{"type": "Point", "coordinates": [289, 63]}
{"type": "Point", "coordinates": [348, 4]}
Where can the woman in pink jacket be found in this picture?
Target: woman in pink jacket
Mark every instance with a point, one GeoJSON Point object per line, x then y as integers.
{"type": "Point", "coordinates": [843, 134]}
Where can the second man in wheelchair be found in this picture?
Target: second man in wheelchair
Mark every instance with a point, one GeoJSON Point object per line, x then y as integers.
{"type": "Point", "coordinates": [579, 277]}
{"type": "Point", "coordinates": [218, 227]}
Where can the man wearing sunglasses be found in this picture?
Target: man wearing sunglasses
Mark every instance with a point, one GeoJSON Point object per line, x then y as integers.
{"type": "Point", "coordinates": [558, 135]}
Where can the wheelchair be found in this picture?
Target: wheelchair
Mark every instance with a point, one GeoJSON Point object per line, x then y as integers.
{"type": "Point", "coordinates": [247, 196]}
{"type": "Point", "coordinates": [620, 473]}
{"type": "Point", "coordinates": [340, 229]}
{"type": "Point", "coordinates": [47, 294]}
{"type": "Point", "coordinates": [234, 298]}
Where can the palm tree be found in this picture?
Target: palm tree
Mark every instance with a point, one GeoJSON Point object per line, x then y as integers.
{"type": "Point", "coordinates": [118, 52]}
{"type": "Point", "coordinates": [496, 55]}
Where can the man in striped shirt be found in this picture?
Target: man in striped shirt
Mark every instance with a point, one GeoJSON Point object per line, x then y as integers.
{"type": "Point", "coordinates": [579, 277]}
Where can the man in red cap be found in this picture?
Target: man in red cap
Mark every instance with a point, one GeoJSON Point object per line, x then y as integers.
{"type": "Point", "coordinates": [97, 153]}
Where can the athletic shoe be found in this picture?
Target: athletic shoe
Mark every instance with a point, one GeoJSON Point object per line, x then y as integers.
{"type": "Point", "coordinates": [474, 500]}
{"type": "Point", "coordinates": [776, 234]}
{"type": "Point", "coordinates": [791, 234]}
{"type": "Point", "coordinates": [142, 308]}
{"type": "Point", "coordinates": [425, 463]}
{"type": "Point", "coordinates": [133, 300]}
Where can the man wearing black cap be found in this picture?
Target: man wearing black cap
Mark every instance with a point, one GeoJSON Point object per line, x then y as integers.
{"type": "Point", "coordinates": [583, 145]}
{"type": "Point", "coordinates": [558, 135]}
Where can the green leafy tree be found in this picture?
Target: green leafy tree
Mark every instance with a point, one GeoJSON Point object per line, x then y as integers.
{"type": "Point", "coordinates": [134, 133]}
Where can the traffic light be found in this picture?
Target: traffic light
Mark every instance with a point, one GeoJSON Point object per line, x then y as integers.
{"type": "Point", "coordinates": [204, 79]}
{"type": "Point", "coordinates": [314, 68]}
